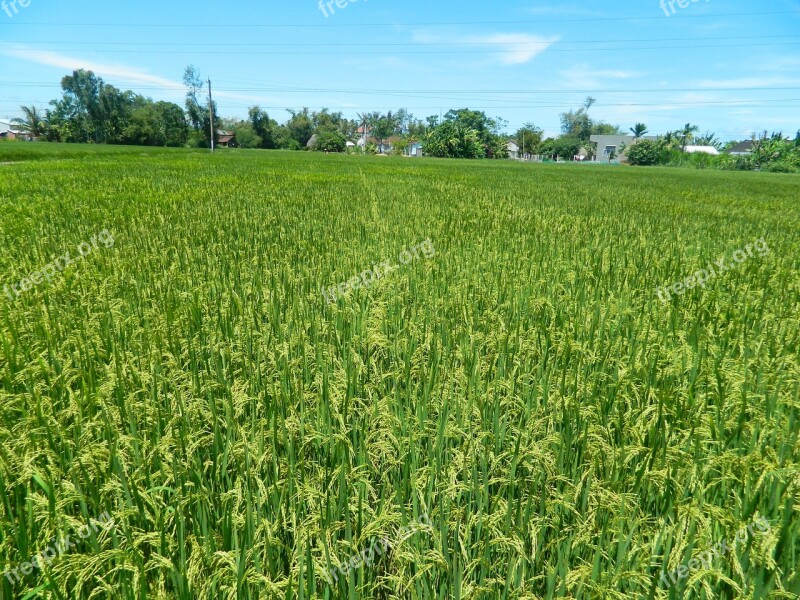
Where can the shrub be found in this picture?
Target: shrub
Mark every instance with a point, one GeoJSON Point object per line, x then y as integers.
{"type": "Point", "coordinates": [246, 136]}
{"type": "Point", "coordinates": [780, 166]}
{"type": "Point", "coordinates": [567, 147]}
{"type": "Point", "coordinates": [451, 140]}
{"type": "Point", "coordinates": [736, 163]}
{"type": "Point", "coordinates": [330, 141]}
{"type": "Point", "coordinates": [646, 153]}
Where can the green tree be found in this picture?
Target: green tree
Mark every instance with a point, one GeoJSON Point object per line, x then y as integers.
{"type": "Point", "coordinates": [775, 153]}
{"type": "Point", "coordinates": [647, 152]}
{"type": "Point", "coordinates": [246, 135]}
{"type": "Point", "coordinates": [330, 141]}
{"type": "Point", "coordinates": [638, 131]}
{"type": "Point", "coordinates": [453, 140]}
{"type": "Point", "coordinates": [264, 127]}
{"type": "Point", "coordinates": [528, 137]}
{"type": "Point", "coordinates": [76, 116]}
{"type": "Point", "coordinates": [115, 110]}
{"type": "Point", "coordinates": [567, 147]}
{"type": "Point", "coordinates": [144, 127]}
{"type": "Point", "coordinates": [199, 114]}
{"type": "Point", "coordinates": [33, 123]}
{"type": "Point", "coordinates": [487, 129]}
{"type": "Point", "coordinates": [383, 127]}
{"type": "Point", "coordinates": [687, 134]}
{"type": "Point", "coordinates": [601, 128]}
{"type": "Point", "coordinates": [300, 127]}
{"type": "Point", "coordinates": [709, 139]}
{"type": "Point", "coordinates": [66, 122]}
{"type": "Point", "coordinates": [547, 147]}
{"type": "Point", "coordinates": [577, 123]}
{"type": "Point", "coordinates": [173, 123]}
{"type": "Point", "coordinates": [404, 121]}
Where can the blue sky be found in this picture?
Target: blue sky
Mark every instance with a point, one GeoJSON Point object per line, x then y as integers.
{"type": "Point", "coordinates": [730, 66]}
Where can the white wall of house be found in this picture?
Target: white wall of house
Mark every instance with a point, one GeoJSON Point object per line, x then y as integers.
{"type": "Point", "coordinates": [608, 143]}
{"type": "Point", "coordinates": [702, 150]}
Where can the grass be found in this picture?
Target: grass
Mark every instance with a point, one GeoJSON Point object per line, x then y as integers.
{"type": "Point", "coordinates": [568, 434]}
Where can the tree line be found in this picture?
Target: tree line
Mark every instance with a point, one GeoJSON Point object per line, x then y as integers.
{"type": "Point", "coordinates": [92, 111]}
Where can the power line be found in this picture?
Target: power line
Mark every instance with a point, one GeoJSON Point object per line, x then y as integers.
{"type": "Point", "coordinates": [527, 104]}
{"type": "Point", "coordinates": [398, 24]}
{"type": "Point", "coordinates": [394, 53]}
{"type": "Point", "coordinates": [370, 44]}
{"type": "Point", "coordinates": [289, 88]}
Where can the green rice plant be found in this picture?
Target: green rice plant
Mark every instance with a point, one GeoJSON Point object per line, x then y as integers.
{"type": "Point", "coordinates": [568, 434]}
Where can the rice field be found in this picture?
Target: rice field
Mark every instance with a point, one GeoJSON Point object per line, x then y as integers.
{"type": "Point", "coordinates": [517, 415]}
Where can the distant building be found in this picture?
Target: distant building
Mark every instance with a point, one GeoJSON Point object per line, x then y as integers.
{"type": "Point", "coordinates": [513, 149]}
{"type": "Point", "coordinates": [610, 147]}
{"type": "Point", "coordinates": [9, 131]}
{"type": "Point", "coordinates": [743, 148]}
{"type": "Point", "coordinates": [385, 147]}
{"type": "Point", "coordinates": [702, 150]}
{"type": "Point", "coordinates": [414, 149]}
{"type": "Point", "coordinates": [388, 145]}
{"type": "Point", "coordinates": [227, 140]}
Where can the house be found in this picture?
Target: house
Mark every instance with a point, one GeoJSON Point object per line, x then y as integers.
{"type": "Point", "coordinates": [610, 147]}
{"type": "Point", "coordinates": [513, 149]}
{"type": "Point", "coordinates": [385, 147]}
{"type": "Point", "coordinates": [312, 142]}
{"type": "Point", "coordinates": [9, 131]}
{"type": "Point", "coordinates": [701, 150]}
{"type": "Point", "coordinates": [227, 140]}
{"type": "Point", "coordinates": [742, 149]}
{"type": "Point", "coordinates": [363, 131]}
{"type": "Point", "coordinates": [388, 144]}
{"type": "Point", "coordinates": [414, 149]}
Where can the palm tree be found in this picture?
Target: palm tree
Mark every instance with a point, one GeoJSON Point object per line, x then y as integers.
{"type": "Point", "coordinates": [638, 131]}
{"type": "Point", "coordinates": [383, 127]}
{"type": "Point", "coordinates": [33, 124]}
{"type": "Point", "coordinates": [709, 139]}
{"type": "Point", "coordinates": [687, 134]}
{"type": "Point", "coordinates": [363, 119]}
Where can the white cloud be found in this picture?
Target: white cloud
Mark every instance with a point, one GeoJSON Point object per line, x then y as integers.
{"type": "Point", "coordinates": [519, 48]}
{"type": "Point", "coordinates": [563, 10]}
{"type": "Point", "coordinates": [53, 59]}
{"type": "Point", "coordinates": [583, 76]}
{"type": "Point", "coordinates": [749, 82]}
{"type": "Point", "coordinates": [130, 76]}
{"type": "Point", "coordinates": [508, 48]}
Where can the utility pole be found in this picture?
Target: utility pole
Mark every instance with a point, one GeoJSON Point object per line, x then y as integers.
{"type": "Point", "coordinates": [211, 114]}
